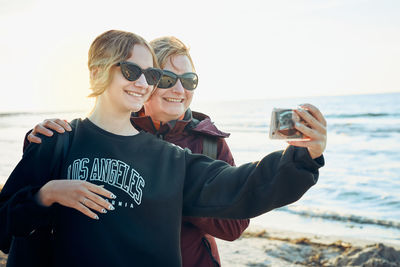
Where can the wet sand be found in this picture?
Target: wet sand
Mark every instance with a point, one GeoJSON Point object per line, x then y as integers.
{"type": "Point", "coordinates": [258, 247]}
{"type": "Point", "coordinates": [3, 259]}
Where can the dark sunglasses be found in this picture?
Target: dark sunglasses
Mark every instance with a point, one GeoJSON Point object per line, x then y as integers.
{"type": "Point", "coordinates": [132, 72]}
{"type": "Point", "coordinates": [189, 80]}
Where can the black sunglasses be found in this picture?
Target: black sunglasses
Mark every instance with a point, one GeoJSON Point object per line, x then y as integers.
{"type": "Point", "coordinates": [189, 80]}
{"type": "Point", "coordinates": [132, 72]}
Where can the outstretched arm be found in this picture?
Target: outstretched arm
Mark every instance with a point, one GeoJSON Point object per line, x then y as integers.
{"type": "Point", "coordinates": [214, 189]}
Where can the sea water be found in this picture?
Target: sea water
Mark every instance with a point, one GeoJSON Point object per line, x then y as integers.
{"type": "Point", "coordinates": [358, 191]}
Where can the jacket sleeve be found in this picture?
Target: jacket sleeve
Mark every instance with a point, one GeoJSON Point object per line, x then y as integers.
{"type": "Point", "coordinates": [20, 213]}
{"type": "Point", "coordinates": [215, 189]}
{"type": "Point", "coordinates": [225, 229]}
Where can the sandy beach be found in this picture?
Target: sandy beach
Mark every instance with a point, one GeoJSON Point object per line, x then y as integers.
{"type": "Point", "coordinates": [277, 248]}
{"type": "Point", "coordinates": [274, 247]}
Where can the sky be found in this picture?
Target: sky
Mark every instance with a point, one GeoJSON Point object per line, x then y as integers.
{"type": "Point", "coordinates": [255, 49]}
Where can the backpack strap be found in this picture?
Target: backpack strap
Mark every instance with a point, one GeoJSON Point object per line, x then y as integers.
{"type": "Point", "coordinates": [210, 146]}
{"type": "Point", "coordinates": [60, 152]}
{"type": "Point", "coordinates": [61, 149]}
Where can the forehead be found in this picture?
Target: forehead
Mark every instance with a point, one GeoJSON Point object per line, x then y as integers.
{"type": "Point", "coordinates": [141, 55]}
{"type": "Point", "coordinates": [178, 64]}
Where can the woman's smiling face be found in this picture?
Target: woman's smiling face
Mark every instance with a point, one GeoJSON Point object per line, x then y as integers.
{"type": "Point", "coordinates": [171, 103]}
{"type": "Point", "coordinates": [130, 95]}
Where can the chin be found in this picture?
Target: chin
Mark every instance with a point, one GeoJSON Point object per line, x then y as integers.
{"type": "Point", "coordinates": [176, 112]}
{"type": "Point", "coordinates": [135, 108]}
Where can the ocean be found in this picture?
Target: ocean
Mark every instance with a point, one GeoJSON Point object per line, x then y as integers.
{"type": "Point", "coordinates": [358, 192]}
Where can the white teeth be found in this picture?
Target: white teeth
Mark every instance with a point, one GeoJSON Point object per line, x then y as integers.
{"type": "Point", "coordinates": [133, 93]}
{"type": "Point", "coordinates": [174, 100]}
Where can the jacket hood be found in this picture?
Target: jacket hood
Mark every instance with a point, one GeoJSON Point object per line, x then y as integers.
{"type": "Point", "coordinates": [192, 121]}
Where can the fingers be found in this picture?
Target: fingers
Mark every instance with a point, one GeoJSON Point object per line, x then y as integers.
{"type": "Point", "coordinates": [85, 210]}
{"type": "Point", "coordinates": [34, 139]}
{"type": "Point", "coordinates": [90, 195]}
{"type": "Point", "coordinates": [98, 203]}
{"type": "Point", "coordinates": [57, 125]}
{"type": "Point", "coordinates": [99, 190]}
{"type": "Point", "coordinates": [311, 120]}
{"type": "Point", "coordinates": [93, 205]}
{"type": "Point", "coordinates": [314, 119]}
{"type": "Point", "coordinates": [39, 128]}
{"type": "Point", "coordinates": [64, 124]}
{"type": "Point", "coordinates": [308, 132]}
{"type": "Point", "coordinates": [91, 201]}
{"type": "Point", "coordinates": [46, 128]}
{"type": "Point", "coordinates": [314, 129]}
{"type": "Point", "coordinates": [315, 112]}
{"type": "Point", "coordinates": [80, 195]}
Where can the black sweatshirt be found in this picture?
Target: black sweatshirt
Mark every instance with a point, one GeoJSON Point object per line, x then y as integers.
{"type": "Point", "coordinates": [155, 183]}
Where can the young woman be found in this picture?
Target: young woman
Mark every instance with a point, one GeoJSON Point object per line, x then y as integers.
{"type": "Point", "coordinates": [154, 182]}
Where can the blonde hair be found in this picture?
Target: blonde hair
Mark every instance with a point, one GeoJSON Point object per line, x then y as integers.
{"type": "Point", "coordinates": [108, 49]}
{"type": "Point", "coordinates": [168, 46]}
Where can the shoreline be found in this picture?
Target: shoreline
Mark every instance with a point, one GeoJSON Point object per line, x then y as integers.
{"type": "Point", "coordinates": [349, 230]}
{"type": "Point", "coordinates": [275, 247]}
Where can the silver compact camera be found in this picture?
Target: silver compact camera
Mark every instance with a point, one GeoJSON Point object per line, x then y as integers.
{"type": "Point", "coordinates": [282, 124]}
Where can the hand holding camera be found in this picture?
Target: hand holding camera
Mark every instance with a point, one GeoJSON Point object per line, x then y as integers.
{"type": "Point", "coordinates": [303, 127]}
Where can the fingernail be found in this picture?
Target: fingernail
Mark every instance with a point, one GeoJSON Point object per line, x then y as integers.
{"type": "Point", "coordinates": [96, 217]}
{"type": "Point", "coordinates": [111, 207]}
{"type": "Point", "coordinates": [103, 211]}
{"type": "Point", "coordinates": [101, 185]}
{"type": "Point", "coordinates": [113, 196]}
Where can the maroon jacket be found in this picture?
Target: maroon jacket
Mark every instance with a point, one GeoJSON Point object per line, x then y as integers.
{"type": "Point", "coordinates": [197, 234]}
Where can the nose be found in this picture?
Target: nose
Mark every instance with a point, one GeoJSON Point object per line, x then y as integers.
{"type": "Point", "coordinates": [178, 88]}
{"type": "Point", "coordinates": [141, 82]}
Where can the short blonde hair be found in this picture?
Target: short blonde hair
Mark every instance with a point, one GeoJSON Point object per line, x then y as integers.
{"type": "Point", "coordinates": [168, 46]}
{"type": "Point", "coordinates": [108, 49]}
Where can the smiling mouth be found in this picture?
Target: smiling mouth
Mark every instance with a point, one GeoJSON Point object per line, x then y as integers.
{"type": "Point", "coordinates": [174, 100]}
{"type": "Point", "coordinates": [133, 94]}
